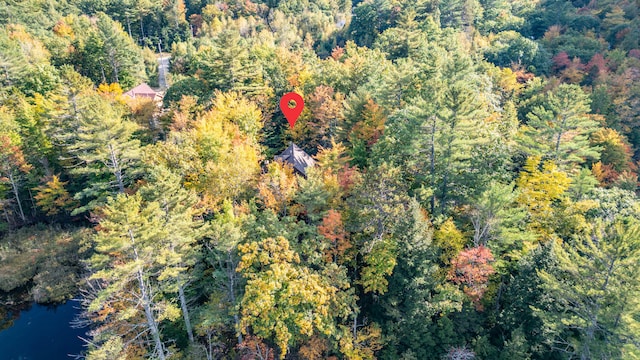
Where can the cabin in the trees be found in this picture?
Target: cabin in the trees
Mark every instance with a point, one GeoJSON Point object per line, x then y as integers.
{"type": "Point", "coordinates": [298, 158]}
{"type": "Point", "coordinates": [144, 91]}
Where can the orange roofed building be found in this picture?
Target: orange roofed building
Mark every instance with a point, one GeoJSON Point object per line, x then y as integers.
{"type": "Point", "coordinates": [143, 91]}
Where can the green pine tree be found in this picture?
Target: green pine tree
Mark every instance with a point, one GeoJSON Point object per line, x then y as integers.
{"type": "Point", "coordinates": [106, 150]}
{"type": "Point", "coordinates": [129, 262]}
{"type": "Point", "coordinates": [560, 127]}
{"type": "Point", "coordinates": [593, 292]}
{"type": "Point", "coordinates": [180, 221]}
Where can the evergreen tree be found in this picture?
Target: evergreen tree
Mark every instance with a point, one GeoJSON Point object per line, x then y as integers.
{"type": "Point", "coordinates": [402, 40]}
{"type": "Point", "coordinates": [499, 222]}
{"type": "Point", "coordinates": [227, 66]}
{"type": "Point", "coordinates": [106, 54]}
{"type": "Point", "coordinates": [370, 19]}
{"type": "Point", "coordinates": [437, 139]}
{"type": "Point", "coordinates": [107, 152]}
{"type": "Point", "coordinates": [559, 129]}
{"type": "Point", "coordinates": [374, 212]}
{"type": "Point", "coordinates": [416, 292]}
{"type": "Point", "coordinates": [593, 292]}
{"type": "Point", "coordinates": [128, 259]}
{"type": "Point", "coordinates": [220, 313]}
{"type": "Point", "coordinates": [178, 254]}
{"type": "Point", "coordinates": [121, 54]}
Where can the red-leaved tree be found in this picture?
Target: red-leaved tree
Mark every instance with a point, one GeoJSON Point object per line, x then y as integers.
{"type": "Point", "coordinates": [333, 230]}
{"type": "Point", "coordinates": [471, 268]}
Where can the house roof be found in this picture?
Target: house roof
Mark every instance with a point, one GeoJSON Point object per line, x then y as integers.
{"type": "Point", "coordinates": [297, 157]}
{"type": "Point", "coordinates": [142, 90]}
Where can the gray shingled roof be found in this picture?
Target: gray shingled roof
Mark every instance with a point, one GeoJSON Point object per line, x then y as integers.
{"type": "Point", "coordinates": [299, 159]}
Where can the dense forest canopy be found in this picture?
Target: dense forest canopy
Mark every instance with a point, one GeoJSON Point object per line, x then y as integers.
{"type": "Point", "coordinates": [474, 193]}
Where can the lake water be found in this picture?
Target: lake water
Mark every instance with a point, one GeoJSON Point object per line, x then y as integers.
{"type": "Point", "coordinates": [43, 333]}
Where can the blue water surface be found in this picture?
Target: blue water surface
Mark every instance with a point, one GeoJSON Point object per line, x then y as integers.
{"type": "Point", "coordinates": [43, 333]}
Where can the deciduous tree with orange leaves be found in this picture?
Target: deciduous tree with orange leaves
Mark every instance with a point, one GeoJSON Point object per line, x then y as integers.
{"type": "Point", "coordinates": [472, 269]}
{"type": "Point", "coordinates": [12, 164]}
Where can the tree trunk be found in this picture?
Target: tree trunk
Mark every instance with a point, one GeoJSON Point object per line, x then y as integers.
{"type": "Point", "coordinates": [268, 19]}
{"type": "Point", "coordinates": [433, 163]}
{"type": "Point", "coordinates": [499, 295]}
{"type": "Point", "coordinates": [113, 61]}
{"type": "Point", "coordinates": [209, 350]}
{"type": "Point", "coordinates": [146, 305]}
{"type": "Point", "coordinates": [141, 29]}
{"type": "Point", "coordinates": [557, 150]}
{"type": "Point", "coordinates": [46, 167]}
{"type": "Point", "coordinates": [231, 274]}
{"type": "Point", "coordinates": [354, 328]}
{"type": "Point", "coordinates": [185, 312]}
{"type": "Point", "coordinates": [129, 27]}
{"type": "Point", "coordinates": [116, 169]}
{"type": "Point", "coordinates": [34, 210]}
{"type": "Point", "coordinates": [151, 322]}
{"type": "Point", "coordinates": [443, 196]}
{"type": "Point", "coordinates": [562, 124]}
{"type": "Point", "coordinates": [14, 186]}
{"type": "Point", "coordinates": [74, 103]}
{"type": "Point", "coordinates": [6, 214]}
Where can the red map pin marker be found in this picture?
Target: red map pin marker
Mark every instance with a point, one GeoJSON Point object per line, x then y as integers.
{"type": "Point", "coordinates": [291, 113]}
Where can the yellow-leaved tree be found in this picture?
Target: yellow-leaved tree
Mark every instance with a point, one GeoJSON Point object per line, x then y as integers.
{"type": "Point", "coordinates": [278, 186]}
{"type": "Point", "coordinates": [283, 300]}
{"type": "Point", "coordinates": [227, 144]}
{"type": "Point", "coordinates": [53, 197]}
{"type": "Point", "coordinates": [541, 186]}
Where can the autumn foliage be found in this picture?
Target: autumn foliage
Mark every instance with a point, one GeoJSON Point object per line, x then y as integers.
{"type": "Point", "coordinates": [467, 153]}
{"type": "Point", "coordinates": [11, 157]}
{"type": "Point", "coordinates": [53, 197]}
{"type": "Point", "coordinates": [472, 269]}
{"type": "Point", "coordinates": [252, 348]}
{"type": "Point", "coordinates": [332, 229]}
